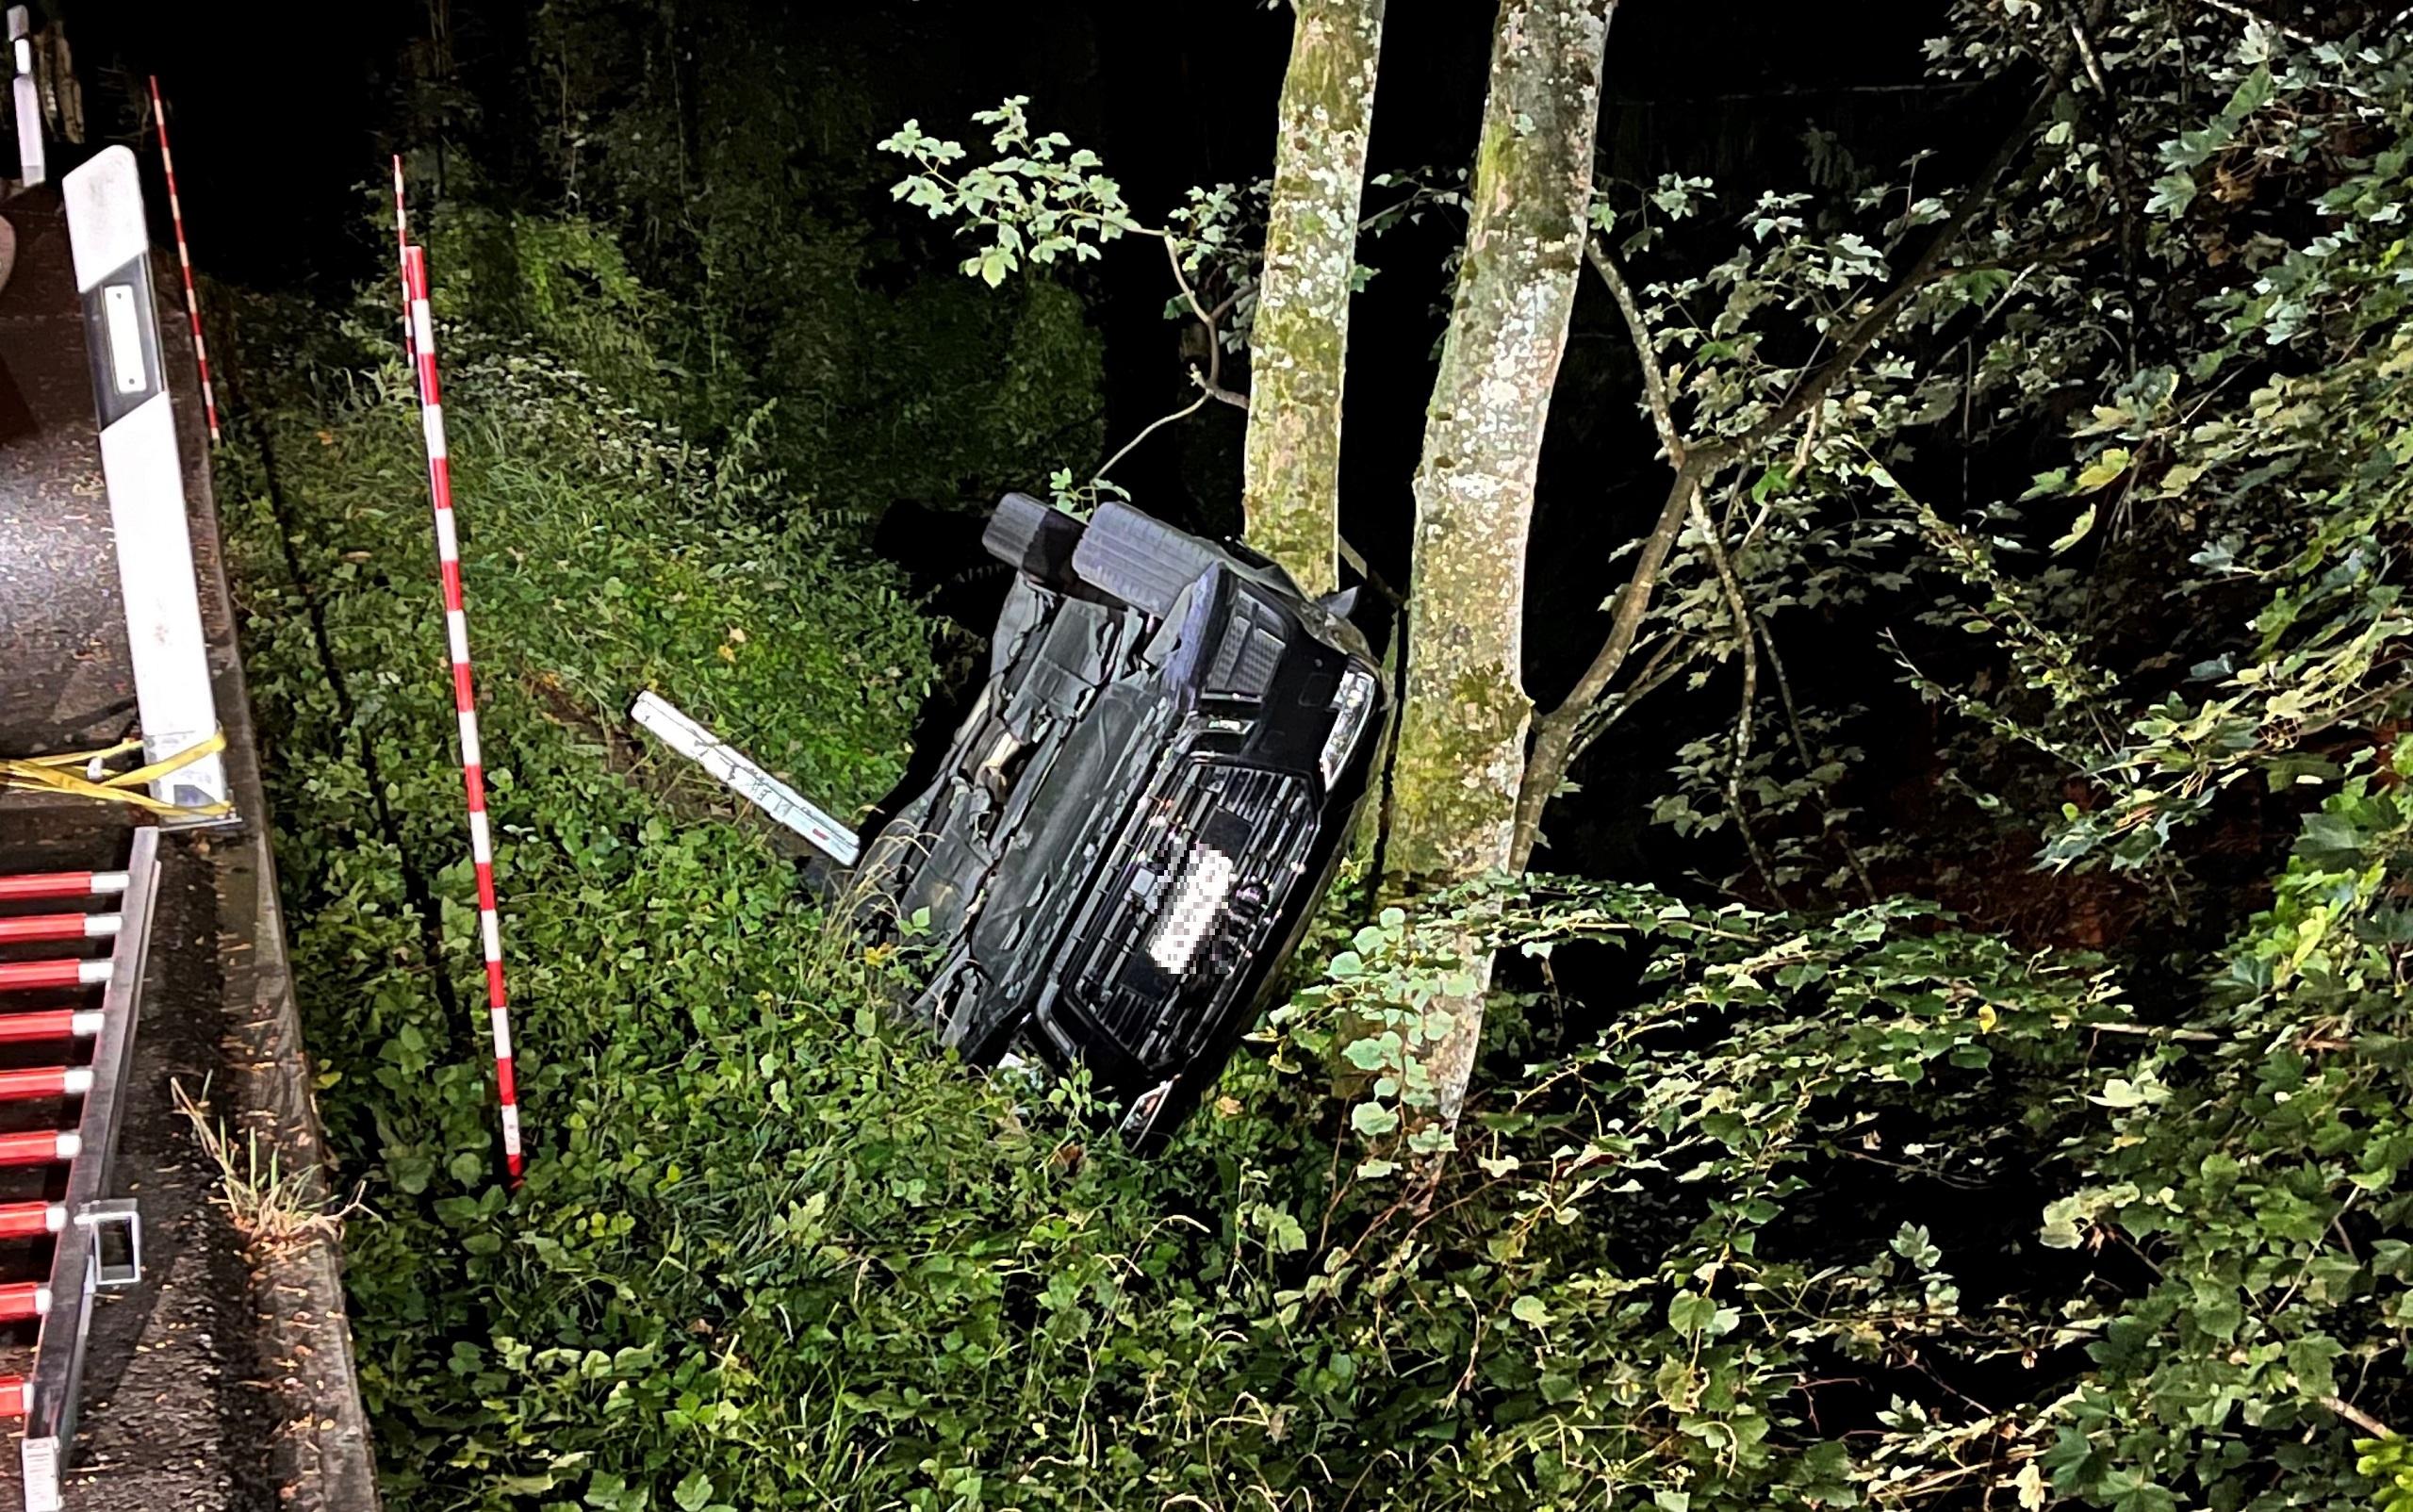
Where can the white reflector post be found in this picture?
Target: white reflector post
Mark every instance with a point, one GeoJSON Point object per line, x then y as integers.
{"type": "Point", "coordinates": [746, 779]}
{"type": "Point", "coordinates": [31, 163]}
{"type": "Point", "coordinates": [111, 243]}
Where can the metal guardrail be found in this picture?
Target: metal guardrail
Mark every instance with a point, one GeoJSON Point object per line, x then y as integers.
{"type": "Point", "coordinates": [79, 1266]}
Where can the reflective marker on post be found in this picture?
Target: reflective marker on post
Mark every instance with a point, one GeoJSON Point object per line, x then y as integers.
{"type": "Point", "coordinates": [456, 632]}
{"type": "Point", "coordinates": [184, 258]}
{"type": "Point", "coordinates": [168, 646]}
{"type": "Point", "coordinates": [32, 169]}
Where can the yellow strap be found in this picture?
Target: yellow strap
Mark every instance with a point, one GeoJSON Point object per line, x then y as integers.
{"type": "Point", "coordinates": [84, 757]}
{"type": "Point", "coordinates": [143, 775]}
{"type": "Point", "coordinates": [54, 774]}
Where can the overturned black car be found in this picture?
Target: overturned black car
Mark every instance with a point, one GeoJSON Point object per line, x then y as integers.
{"type": "Point", "coordinates": [1145, 804]}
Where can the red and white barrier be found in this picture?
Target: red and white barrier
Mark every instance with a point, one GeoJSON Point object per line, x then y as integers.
{"type": "Point", "coordinates": [41, 1147]}
{"type": "Point", "coordinates": [184, 260]}
{"type": "Point", "coordinates": [456, 630]}
{"type": "Point", "coordinates": [53, 1023]}
{"type": "Point", "coordinates": [402, 262]}
{"type": "Point", "coordinates": [31, 1219]}
{"type": "Point", "coordinates": [34, 975]}
{"type": "Point", "coordinates": [23, 886]}
{"type": "Point", "coordinates": [31, 1084]}
{"type": "Point", "coordinates": [77, 1213]}
{"type": "Point", "coordinates": [28, 927]}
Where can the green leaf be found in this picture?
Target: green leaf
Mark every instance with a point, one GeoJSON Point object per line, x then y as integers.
{"type": "Point", "coordinates": [2060, 1229]}
{"type": "Point", "coordinates": [1690, 1313]}
{"type": "Point", "coordinates": [2103, 469]}
{"type": "Point", "coordinates": [1372, 1051]}
{"type": "Point", "coordinates": [2078, 531]}
{"type": "Point", "coordinates": [1373, 1119]}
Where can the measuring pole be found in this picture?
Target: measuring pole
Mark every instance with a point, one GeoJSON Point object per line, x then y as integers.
{"type": "Point", "coordinates": [456, 630]}
{"type": "Point", "coordinates": [402, 262]}
{"type": "Point", "coordinates": [184, 259]}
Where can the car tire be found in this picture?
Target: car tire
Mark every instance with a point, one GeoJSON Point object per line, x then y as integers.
{"type": "Point", "coordinates": [1141, 560]}
{"type": "Point", "coordinates": [1033, 539]}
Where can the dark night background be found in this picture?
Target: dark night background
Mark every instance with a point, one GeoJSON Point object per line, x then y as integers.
{"type": "Point", "coordinates": [285, 114]}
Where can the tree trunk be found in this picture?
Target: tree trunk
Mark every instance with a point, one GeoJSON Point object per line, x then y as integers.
{"type": "Point", "coordinates": [1290, 487]}
{"type": "Point", "coordinates": [1461, 736]}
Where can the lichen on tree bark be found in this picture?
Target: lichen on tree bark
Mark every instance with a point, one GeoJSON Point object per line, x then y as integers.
{"type": "Point", "coordinates": [1464, 724]}
{"type": "Point", "coordinates": [1300, 341]}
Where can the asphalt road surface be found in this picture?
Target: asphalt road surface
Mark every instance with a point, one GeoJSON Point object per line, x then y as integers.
{"type": "Point", "coordinates": [224, 1379]}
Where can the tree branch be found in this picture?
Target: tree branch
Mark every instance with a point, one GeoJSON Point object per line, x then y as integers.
{"type": "Point", "coordinates": [1633, 600]}
{"type": "Point", "coordinates": [1662, 668]}
{"type": "Point", "coordinates": [1173, 255]}
{"type": "Point", "coordinates": [1871, 325]}
{"type": "Point", "coordinates": [1218, 392]}
{"type": "Point", "coordinates": [1657, 669]}
{"type": "Point", "coordinates": [2357, 1417]}
{"type": "Point", "coordinates": [1654, 381]}
{"type": "Point", "coordinates": [1154, 426]}
{"type": "Point", "coordinates": [1554, 732]}
{"type": "Point", "coordinates": [1741, 614]}
{"type": "Point", "coordinates": [1212, 383]}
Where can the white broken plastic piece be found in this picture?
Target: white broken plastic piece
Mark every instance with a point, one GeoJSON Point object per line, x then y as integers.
{"type": "Point", "coordinates": [747, 781]}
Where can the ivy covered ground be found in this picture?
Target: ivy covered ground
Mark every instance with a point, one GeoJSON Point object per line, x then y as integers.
{"type": "Point", "coordinates": [771, 1254]}
{"type": "Point", "coordinates": [1859, 1205]}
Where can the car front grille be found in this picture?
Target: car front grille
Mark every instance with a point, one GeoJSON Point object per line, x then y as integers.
{"type": "Point", "coordinates": [1263, 823]}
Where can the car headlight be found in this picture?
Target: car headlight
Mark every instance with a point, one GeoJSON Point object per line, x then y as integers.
{"type": "Point", "coordinates": [1205, 882]}
{"type": "Point", "coordinates": [1352, 706]}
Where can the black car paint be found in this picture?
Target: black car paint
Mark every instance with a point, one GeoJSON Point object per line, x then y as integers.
{"type": "Point", "coordinates": [1042, 856]}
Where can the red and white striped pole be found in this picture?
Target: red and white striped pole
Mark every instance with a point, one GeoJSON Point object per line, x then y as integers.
{"type": "Point", "coordinates": [456, 629]}
{"type": "Point", "coordinates": [184, 259]}
{"type": "Point", "coordinates": [402, 262]}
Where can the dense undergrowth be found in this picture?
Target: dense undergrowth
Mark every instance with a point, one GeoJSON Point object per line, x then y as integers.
{"type": "Point", "coordinates": [771, 1255]}
{"type": "Point", "coordinates": [1857, 1205]}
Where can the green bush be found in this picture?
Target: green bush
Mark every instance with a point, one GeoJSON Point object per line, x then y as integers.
{"type": "Point", "coordinates": [771, 1255]}
{"type": "Point", "coordinates": [1858, 1207]}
